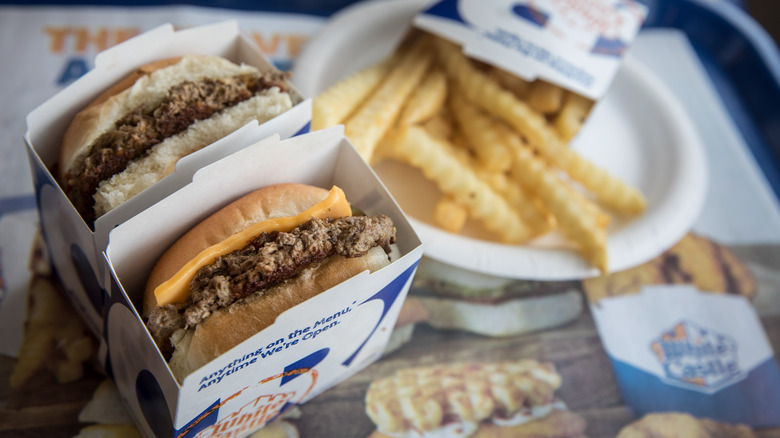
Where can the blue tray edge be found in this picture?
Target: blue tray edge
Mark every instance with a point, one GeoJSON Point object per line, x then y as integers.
{"type": "Point", "coordinates": [743, 63]}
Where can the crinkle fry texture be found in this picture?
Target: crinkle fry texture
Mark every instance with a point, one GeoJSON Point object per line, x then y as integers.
{"type": "Point", "coordinates": [494, 144]}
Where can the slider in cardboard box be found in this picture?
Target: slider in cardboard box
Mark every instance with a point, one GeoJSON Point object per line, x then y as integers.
{"type": "Point", "coordinates": [74, 246]}
{"type": "Point", "coordinates": [308, 349]}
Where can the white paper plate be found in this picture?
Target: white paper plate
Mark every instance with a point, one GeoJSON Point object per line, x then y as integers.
{"type": "Point", "coordinates": [638, 132]}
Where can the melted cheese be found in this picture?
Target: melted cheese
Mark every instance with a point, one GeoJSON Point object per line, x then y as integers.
{"type": "Point", "coordinates": [177, 288]}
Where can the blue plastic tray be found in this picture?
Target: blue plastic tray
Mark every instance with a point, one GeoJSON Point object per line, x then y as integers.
{"type": "Point", "coordinates": [743, 63]}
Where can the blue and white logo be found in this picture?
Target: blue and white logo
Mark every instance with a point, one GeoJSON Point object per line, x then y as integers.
{"type": "Point", "coordinates": [697, 358]}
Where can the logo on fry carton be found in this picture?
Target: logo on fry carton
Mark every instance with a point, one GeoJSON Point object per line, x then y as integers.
{"type": "Point", "coordinates": [575, 44]}
{"type": "Point", "coordinates": [697, 358]}
{"type": "Point", "coordinates": [588, 25]}
{"type": "Point", "coordinates": [257, 412]}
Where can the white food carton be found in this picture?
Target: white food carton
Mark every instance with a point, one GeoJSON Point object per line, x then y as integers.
{"type": "Point", "coordinates": [74, 247]}
{"type": "Point", "coordinates": [308, 349]}
{"type": "Point", "coordinates": [578, 45]}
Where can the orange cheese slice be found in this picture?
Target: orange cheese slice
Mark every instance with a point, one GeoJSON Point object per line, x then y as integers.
{"type": "Point", "coordinates": [177, 288]}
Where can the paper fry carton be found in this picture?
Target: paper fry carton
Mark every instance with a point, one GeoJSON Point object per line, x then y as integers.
{"type": "Point", "coordinates": [308, 349]}
{"type": "Point", "coordinates": [74, 247]}
{"type": "Point", "coordinates": [569, 48]}
{"type": "Point", "coordinates": [577, 45]}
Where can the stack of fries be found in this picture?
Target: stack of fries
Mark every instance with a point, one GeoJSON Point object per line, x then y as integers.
{"type": "Point", "coordinates": [494, 144]}
{"type": "Point", "coordinates": [55, 340]}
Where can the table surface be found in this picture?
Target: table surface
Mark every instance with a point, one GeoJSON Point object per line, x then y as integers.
{"type": "Point", "coordinates": [45, 408]}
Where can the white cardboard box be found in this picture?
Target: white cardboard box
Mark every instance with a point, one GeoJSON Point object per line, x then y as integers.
{"type": "Point", "coordinates": [577, 45]}
{"type": "Point", "coordinates": [309, 348]}
{"type": "Point", "coordinates": [75, 249]}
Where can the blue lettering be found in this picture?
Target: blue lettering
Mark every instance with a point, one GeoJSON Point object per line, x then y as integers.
{"type": "Point", "coordinates": [74, 69]}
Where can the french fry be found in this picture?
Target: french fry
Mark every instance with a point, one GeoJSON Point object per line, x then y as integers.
{"type": "Point", "coordinates": [55, 338]}
{"type": "Point", "coordinates": [449, 214]}
{"type": "Point", "coordinates": [488, 95]}
{"type": "Point", "coordinates": [79, 349]}
{"type": "Point", "coordinates": [440, 125]}
{"type": "Point", "coordinates": [531, 209]}
{"type": "Point", "coordinates": [491, 153]}
{"type": "Point", "coordinates": [66, 371]}
{"type": "Point", "coordinates": [515, 84]}
{"type": "Point", "coordinates": [437, 161]}
{"type": "Point", "coordinates": [545, 97]}
{"type": "Point", "coordinates": [572, 115]}
{"type": "Point", "coordinates": [335, 104]}
{"type": "Point", "coordinates": [574, 221]}
{"type": "Point", "coordinates": [33, 356]}
{"type": "Point", "coordinates": [601, 217]}
{"type": "Point", "coordinates": [426, 100]}
{"type": "Point", "coordinates": [610, 191]}
{"type": "Point", "coordinates": [372, 120]}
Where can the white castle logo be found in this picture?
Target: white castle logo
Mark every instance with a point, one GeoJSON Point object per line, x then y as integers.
{"type": "Point", "coordinates": [697, 358]}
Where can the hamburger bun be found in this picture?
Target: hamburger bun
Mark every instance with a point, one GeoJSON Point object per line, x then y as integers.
{"type": "Point", "coordinates": [156, 109]}
{"type": "Point", "coordinates": [229, 325]}
{"type": "Point", "coordinates": [487, 305]}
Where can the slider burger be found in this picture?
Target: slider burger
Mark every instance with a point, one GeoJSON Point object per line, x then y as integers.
{"type": "Point", "coordinates": [132, 135]}
{"type": "Point", "coordinates": [232, 274]}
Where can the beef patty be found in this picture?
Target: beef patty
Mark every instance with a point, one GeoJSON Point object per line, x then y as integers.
{"type": "Point", "coordinates": [137, 132]}
{"type": "Point", "coordinates": [269, 259]}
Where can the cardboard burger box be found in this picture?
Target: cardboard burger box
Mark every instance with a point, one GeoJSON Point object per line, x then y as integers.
{"type": "Point", "coordinates": [308, 349]}
{"type": "Point", "coordinates": [75, 248]}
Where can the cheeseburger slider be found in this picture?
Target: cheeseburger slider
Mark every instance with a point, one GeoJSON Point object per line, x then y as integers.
{"type": "Point", "coordinates": [132, 135]}
{"type": "Point", "coordinates": [505, 399]}
{"type": "Point", "coordinates": [232, 274]}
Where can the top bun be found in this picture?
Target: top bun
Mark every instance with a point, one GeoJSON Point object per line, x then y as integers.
{"type": "Point", "coordinates": [144, 92]}
{"type": "Point", "coordinates": [146, 87]}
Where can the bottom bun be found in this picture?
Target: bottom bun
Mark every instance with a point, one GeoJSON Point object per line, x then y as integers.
{"type": "Point", "coordinates": [504, 318]}
{"type": "Point", "coordinates": [558, 424]}
{"type": "Point", "coordinates": [226, 328]}
{"type": "Point", "coordinates": [484, 304]}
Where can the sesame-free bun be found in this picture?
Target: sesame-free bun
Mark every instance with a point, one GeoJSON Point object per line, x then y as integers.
{"type": "Point", "coordinates": [146, 88]}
